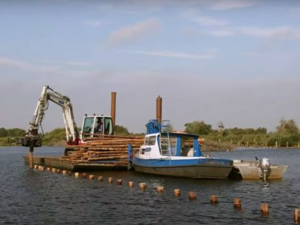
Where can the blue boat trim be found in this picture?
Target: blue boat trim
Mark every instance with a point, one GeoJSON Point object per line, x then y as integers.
{"type": "Point", "coordinates": [164, 162]}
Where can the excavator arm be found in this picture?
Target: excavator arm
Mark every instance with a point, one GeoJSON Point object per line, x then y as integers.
{"type": "Point", "coordinates": [31, 138]}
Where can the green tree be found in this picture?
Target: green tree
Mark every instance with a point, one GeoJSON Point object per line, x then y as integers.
{"type": "Point", "coordinates": [3, 132]}
{"type": "Point", "coordinates": [15, 132]}
{"type": "Point", "coordinates": [198, 127]}
{"type": "Point", "coordinates": [120, 130]}
{"type": "Point", "coordinates": [287, 127]}
{"type": "Point", "coordinates": [55, 136]}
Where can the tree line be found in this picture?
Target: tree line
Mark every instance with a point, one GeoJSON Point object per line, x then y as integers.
{"type": "Point", "coordinates": [54, 137]}
{"type": "Point", "coordinates": [286, 134]}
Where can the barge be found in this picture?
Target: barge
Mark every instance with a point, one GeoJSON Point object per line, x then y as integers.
{"type": "Point", "coordinates": [56, 162]}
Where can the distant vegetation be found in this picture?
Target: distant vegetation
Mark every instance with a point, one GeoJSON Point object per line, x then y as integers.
{"type": "Point", "coordinates": [286, 134]}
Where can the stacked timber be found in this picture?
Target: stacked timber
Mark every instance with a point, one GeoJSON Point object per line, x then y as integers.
{"type": "Point", "coordinates": [105, 149]}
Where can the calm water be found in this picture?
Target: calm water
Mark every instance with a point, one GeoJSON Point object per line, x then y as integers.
{"type": "Point", "coordinates": [34, 197]}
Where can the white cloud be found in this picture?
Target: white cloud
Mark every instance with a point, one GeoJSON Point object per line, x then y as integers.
{"type": "Point", "coordinates": [57, 68]}
{"type": "Point", "coordinates": [229, 4]}
{"type": "Point", "coordinates": [130, 33]}
{"type": "Point", "coordinates": [171, 54]}
{"type": "Point", "coordinates": [275, 32]}
{"type": "Point", "coordinates": [14, 63]}
{"type": "Point", "coordinates": [208, 21]}
{"type": "Point", "coordinates": [284, 32]}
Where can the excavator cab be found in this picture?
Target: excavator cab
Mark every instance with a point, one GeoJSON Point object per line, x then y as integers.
{"type": "Point", "coordinates": [96, 125]}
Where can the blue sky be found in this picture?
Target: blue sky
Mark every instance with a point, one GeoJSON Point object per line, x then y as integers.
{"type": "Point", "coordinates": [235, 61]}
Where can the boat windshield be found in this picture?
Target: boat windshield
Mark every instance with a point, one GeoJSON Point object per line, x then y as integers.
{"type": "Point", "coordinates": [150, 140]}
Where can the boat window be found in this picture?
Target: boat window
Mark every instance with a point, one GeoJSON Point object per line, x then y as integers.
{"type": "Point", "coordinates": [146, 140]}
{"type": "Point", "coordinates": [150, 140]}
{"type": "Point", "coordinates": [166, 147]}
{"type": "Point", "coordinates": [187, 146]}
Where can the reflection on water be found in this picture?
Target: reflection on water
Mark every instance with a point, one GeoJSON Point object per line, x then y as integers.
{"type": "Point", "coordinates": [35, 197]}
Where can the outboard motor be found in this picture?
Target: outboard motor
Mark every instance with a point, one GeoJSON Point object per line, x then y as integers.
{"type": "Point", "coordinates": [264, 165]}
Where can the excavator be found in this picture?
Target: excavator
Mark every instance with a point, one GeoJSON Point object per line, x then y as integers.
{"type": "Point", "coordinates": [92, 125]}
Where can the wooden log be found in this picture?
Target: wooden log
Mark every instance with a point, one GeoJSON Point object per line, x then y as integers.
{"type": "Point", "coordinates": [106, 158]}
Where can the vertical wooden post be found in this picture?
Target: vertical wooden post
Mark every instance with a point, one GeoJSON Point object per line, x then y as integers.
{"type": "Point", "coordinates": [159, 109]}
{"type": "Point", "coordinates": [143, 186]}
{"type": "Point", "coordinates": [192, 195]}
{"type": "Point", "coordinates": [297, 215]}
{"type": "Point", "coordinates": [113, 108]}
{"type": "Point", "coordinates": [119, 182]}
{"type": "Point", "coordinates": [30, 157]}
{"type": "Point", "coordinates": [213, 199]}
{"type": "Point", "coordinates": [237, 203]}
{"type": "Point", "coordinates": [264, 208]}
{"type": "Point", "coordinates": [177, 192]}
{"type": "Point", "coordinates": [131, 184]}
{"type": "Point", "coordinates": [160, 189]}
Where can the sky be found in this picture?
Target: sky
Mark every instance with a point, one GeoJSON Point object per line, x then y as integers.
{"type": "Point", "coordinates": [234, 61]}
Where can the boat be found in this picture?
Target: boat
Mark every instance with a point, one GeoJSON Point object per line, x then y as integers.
{"type": "Point", "coordinates": [257, 170]}
{"type": "Point", "coordinates": [176, 154]}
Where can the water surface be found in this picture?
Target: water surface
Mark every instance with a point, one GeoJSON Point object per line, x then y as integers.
{"type": "Point", "coordinates": [35, 197]}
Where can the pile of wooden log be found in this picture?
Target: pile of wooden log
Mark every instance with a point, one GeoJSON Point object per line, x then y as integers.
{"type": "Point", "coordinates": [107, 149]}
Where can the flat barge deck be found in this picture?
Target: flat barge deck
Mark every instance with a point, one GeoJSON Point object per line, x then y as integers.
{"type": "Point", "coordinates": [56, 162]}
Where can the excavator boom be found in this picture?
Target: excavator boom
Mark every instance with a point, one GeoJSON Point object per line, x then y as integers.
{"type": "Point", "coordinates": [31, 138]}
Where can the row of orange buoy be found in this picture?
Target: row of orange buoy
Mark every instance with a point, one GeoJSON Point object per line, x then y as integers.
{"type": "Point", "coordinates": [237, 203]}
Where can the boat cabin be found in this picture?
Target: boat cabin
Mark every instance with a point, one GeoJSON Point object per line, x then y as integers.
{"type": "Point", "coordinates": [174, 144]}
